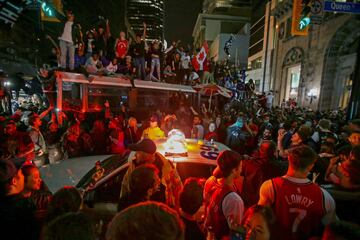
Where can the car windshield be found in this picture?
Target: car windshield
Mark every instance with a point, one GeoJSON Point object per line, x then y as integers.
{"type": "Point", "coordinates": [108, 165]}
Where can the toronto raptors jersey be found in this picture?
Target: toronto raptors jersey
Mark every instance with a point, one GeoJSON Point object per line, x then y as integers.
{"type": "Point", "coordinates": [216, 221]}
{"type": "Point", "coordinates": [299, 209]}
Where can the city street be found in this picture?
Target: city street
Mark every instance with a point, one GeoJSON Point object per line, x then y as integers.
{"type": "Point", "coordinates": [179, 120]}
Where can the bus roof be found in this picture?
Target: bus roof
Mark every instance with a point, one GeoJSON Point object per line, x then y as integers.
{"type": "Point", "coordinates": [120, 81]}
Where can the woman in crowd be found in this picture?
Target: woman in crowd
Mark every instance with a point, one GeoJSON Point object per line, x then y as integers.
{"type": "Point", "coordinates": [258, 222]}
{"type": "Point", "coordinates": [211, 135]}
{"type": "Point", "coordinates": [36, 191]}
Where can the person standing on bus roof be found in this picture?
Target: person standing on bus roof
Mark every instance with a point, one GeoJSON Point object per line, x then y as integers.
{"type": "Point", "coordinates": [138, 51]}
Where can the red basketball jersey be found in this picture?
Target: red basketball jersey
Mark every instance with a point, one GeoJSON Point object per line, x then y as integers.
{"type": "Point", "coordinates": [299, 209]}
{"type": "Point", "coordinates": [121, 48]}
{"type": "Point", "coordinates": [216, 220]}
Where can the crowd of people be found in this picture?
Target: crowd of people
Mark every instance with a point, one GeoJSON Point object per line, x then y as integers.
{"type": "Point", "coordinates": [271, 184]}
{"type": "Point", "coordinates": [266, 187]}
{"type": "Point", "coordinates": [100, 52]}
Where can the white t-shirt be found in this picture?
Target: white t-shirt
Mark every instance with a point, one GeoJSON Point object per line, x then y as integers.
{"type": "Point", "coordinates": [233, 209]}
{"type": "Point", "coordinates": [193, 76]}
{"type": "Point", "coordinates": [112, 68]}
{"type": "Point", "coordinates": [89, 45]}
{"type": "Point", "coordinates": [269, 99]}
{"type": "Point", "coordinates": [185, 61]}
{"type": "Point", "coordinates": [66, 35]}
{"type": "Point", "coordinates": [267, 198]}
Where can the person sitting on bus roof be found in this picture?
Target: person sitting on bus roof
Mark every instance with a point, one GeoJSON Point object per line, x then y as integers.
{"type": "Point", "coordinates": [93, 65]}
{"type": "Point", "coordinates": [112, 68]}
{"type": "Point", "coordinates": [153, 132]}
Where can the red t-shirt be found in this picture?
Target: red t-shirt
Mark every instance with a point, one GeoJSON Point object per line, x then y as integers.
{"type": "Point", "coordinates": [211, 135]}
{"type": "Point", "coordinates": [299, 209]}
{"type": "Point", "coordinates": [121, 48]}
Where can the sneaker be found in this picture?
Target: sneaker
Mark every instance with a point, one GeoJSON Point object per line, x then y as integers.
{"type": "Point", "coordinates": [154, 79]}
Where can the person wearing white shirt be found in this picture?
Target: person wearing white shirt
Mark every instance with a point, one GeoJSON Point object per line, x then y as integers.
{"type": "Point", "coordinates": [93, 65]}
{"type": "Point", "coordinates": [185, 67]}
{"type": "Point", "coordinates": [112, 67]}
{"type": "Point", "coordinates": [68, 40]}
{"type": "Point", "coordinates": [269, 100]}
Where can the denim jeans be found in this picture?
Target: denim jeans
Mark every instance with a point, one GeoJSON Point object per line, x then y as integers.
{"type": "Point", "coordinates": [67, 51]}
{"type": "Point", "coordinates": [140, 67]}
{"type": "Point", "coordinates": [155, 63]}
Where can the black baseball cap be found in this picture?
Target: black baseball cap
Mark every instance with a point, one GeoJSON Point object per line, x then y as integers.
{"type": "Point", "coordinates": [9, 168]}
{"type": "Point", "coordinates": [145, 145]}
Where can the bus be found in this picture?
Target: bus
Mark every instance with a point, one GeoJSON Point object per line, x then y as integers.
{"type": "Point", "coordinates": [77, 92]}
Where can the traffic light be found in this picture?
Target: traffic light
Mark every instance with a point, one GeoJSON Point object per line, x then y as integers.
{"type": "Point", "coordinates": [50, 10]}
{"type": "Point", "coordinates": [47, 9]}
{"type": "Point", "coordinates": [305, 14]}
{"type": "Point", "coordinates": [301, 17]}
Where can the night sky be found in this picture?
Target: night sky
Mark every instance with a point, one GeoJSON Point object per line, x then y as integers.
{"type": "Point", "coordinates": [180, 19]}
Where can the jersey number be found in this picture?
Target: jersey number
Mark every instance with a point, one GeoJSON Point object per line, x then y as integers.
{"type": "Point", "coordinates": [210, 152]}
{"type": "Point", "coordinates": [301, 214]}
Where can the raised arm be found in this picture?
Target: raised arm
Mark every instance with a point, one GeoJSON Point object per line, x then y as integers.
{"type": "Point", "coordinates": [107, 30]}
{"type": "Point", "coordinates": [144, 31]}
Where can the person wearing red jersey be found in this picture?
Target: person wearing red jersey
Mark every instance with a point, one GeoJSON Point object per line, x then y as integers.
{"type": "Point", "coordinates": [301, 207]}
{"type": "Point", "coordinates": [121, 47]}
{"type": "Point", "coordinates": [226, 207]}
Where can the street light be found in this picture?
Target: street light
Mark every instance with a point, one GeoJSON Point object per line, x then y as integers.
{"type": "Point", "coordinates": [312, 94]}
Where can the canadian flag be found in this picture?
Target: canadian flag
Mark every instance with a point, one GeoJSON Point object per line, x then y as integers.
{"type": "Point", "coordinates": [199, 59]}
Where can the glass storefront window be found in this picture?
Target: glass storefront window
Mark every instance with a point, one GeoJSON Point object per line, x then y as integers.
{"type": "Point", "coordinates": [293, 81]}
{"type": "Point", "coordinates": [256, 64]}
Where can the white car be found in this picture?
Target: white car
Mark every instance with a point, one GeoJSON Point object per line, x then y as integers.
{"type": "Point", "coordinates": [103, 195]}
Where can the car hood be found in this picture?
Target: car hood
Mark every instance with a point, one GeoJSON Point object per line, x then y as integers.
{"type": "Point", "coordinates": [68, 172]}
